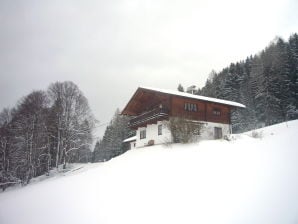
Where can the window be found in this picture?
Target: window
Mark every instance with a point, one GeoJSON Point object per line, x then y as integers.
{"type": "Point", "coordinates": [216, 112]}
{"type": "Point", "coordinates": [192, 107]}
{"type": "Point", "coordinates": [159, 129]}
{"type": "Point", "coordinates": [143, 134]}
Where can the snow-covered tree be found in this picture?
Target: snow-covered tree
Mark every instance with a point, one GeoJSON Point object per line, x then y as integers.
{"type": "Point", "coordinates": [29, 131]}
{"type": "Point", "coordinates": [184, 130]}
{"type": "Point", "coordinates": [180, 88]}
{"type": "Point", "coordinates": [112, 142]}
{"type": "Point", "coordinates": [266, 83]}
{"type": "Point", "coordinates": [70, 122]}
{"type": "Point", "coordinates": [41, 123]}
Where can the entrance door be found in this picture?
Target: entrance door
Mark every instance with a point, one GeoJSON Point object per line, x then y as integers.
{"type": "Point", "coordinates": [217, 133]}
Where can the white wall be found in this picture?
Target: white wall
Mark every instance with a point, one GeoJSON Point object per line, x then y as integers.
{"type": "Point", "coordinates": [207, 132]}
{"type": "Point", "coordinates": [152, 134]}
{"type": "Point", "coordinates": [132, 144]}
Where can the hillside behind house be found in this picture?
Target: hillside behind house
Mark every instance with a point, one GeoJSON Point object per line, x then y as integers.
{"type": "Point", "coordinates": [267, 83]}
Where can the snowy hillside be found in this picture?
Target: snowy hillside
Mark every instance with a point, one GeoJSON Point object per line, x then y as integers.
{"type": "Point", "coordinates": [247, 180]}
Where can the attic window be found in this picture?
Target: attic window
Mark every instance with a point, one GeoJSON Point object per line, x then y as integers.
{"type": "Point", "coordinates": [216, 112]}
{"type": "Point", "coordinates": [192, 107]}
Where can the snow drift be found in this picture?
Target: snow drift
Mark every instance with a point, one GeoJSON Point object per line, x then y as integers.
{"type": "Point", "coordinates": [246, 180]}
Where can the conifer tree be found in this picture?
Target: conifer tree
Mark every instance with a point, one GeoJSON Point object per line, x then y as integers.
{"type": "Point", "coordinates": [112, 142]}
{"type": "Point", "coordinates": [266, 83]}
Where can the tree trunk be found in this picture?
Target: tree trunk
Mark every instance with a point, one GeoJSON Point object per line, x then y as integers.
{"type": "Point", "coordinates": [58, 149]}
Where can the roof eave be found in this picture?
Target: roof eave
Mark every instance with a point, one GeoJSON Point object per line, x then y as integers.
{"type": "Point", "coordinates": [125, 108]}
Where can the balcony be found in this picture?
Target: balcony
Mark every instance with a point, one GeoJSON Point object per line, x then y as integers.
{"type": "Point", "coordinates": [151, 116]}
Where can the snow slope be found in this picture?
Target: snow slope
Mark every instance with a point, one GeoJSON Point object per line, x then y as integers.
{"type": "Point", "coordinates": [247, 180]}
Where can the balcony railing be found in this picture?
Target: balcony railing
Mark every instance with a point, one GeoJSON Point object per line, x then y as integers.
{"type": "Point", "coordinates": [148, 116]}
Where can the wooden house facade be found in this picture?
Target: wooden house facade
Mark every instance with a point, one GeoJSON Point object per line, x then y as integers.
{"type": "Point", "coordinates": [151, 108]}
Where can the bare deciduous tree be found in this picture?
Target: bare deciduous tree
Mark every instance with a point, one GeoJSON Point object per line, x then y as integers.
{"type": "Point", "coordinates": [71, 121]}
{"type": "Point", "coordinates": [44, 130]}
{"type": "Point", "coordinates": [29, 130]}
{"type": "Point", "coordinates": [184, 130]}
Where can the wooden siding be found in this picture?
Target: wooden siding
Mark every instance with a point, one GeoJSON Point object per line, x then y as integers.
{"type": "Point", "coordinates": [224, 116]}
{"type": "Point", "coordinates": [204, 110]}
{"type": "Point", "coordinates": [146, 100]}
{"type": "Point", "coordinates": [177, 108]}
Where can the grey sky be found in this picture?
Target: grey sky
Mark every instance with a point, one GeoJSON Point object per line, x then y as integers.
{"type": "Point", "coordinates": [109, 48]}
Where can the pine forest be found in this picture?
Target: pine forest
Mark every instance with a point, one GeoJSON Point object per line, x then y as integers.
{"type": "Point", "coordinates": [267, 83]}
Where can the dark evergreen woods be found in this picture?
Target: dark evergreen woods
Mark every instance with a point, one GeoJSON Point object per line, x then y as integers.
{"type": "Point", "coordinates": [44, 130]}
{"type": "Point", "coordinates": [111, 144]}
{"type": "Point", "coordinates": [266, 83]}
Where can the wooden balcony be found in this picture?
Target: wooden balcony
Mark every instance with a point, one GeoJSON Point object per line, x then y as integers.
{"type": "Point", "coordinates": [149, 117]}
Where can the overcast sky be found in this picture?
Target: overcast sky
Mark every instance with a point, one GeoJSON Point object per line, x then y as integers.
{"type": "Point", "coordinates": [109, 48]}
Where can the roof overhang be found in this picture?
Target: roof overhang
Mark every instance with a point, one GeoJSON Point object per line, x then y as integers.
{"type": "Point", "coordinates": [142, 100]}
{"type": "Point", "coordinates": [153, 96]}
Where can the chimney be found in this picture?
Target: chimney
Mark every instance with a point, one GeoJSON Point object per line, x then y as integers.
{"type": "Point", "coordinates": [191, 89]}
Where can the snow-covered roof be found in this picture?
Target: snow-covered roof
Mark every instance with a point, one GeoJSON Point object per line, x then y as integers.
{"type": "Point", "coordinates": [188, 95]}
{"type": "Point", "coordinates": [131, 139]}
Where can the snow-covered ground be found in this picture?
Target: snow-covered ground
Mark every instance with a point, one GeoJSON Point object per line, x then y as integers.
{"type": "Point", "coordinates": [246, 180]}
